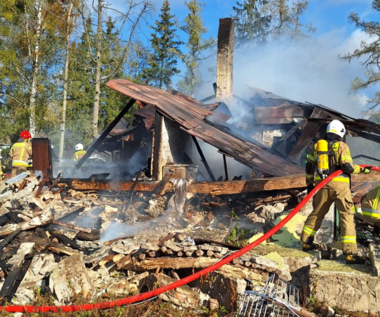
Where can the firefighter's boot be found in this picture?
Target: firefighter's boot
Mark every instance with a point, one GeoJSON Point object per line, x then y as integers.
{"type": "Point", "coordinates": [309, 245]}
{"type": "Point", "coordinates": [355, 259]}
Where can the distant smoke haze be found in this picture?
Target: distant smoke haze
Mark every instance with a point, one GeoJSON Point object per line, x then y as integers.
{"type": "Point", "coordinates": [311, 72]}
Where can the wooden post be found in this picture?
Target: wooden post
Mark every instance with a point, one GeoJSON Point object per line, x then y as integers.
{"type": "Point", "coordinates": [203, 159]}
{"type": "Point", "coordinates": [225, 167]}
{"type": "Point", "coordinates": [157, 144]}
{"type": "Point", "coordinates": [105, 133]}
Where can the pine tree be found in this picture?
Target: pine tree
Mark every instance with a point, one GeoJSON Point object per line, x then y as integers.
{"type": "Point", "coordinates": [370, 51]}
{"type": "Point", "coordinates": [163, 62]}
{"type": "Point", "coordinates": [196, 46]}
{"type": "Point", "coordinates": [285, 18]}
{"type": "Point", "coordinates": [261, 21]}
{"type": "Point", "coordinates": [251, 24]}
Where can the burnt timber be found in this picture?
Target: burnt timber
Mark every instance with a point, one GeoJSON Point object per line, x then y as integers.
{"type": "Point", "coordinates": [213, 188]}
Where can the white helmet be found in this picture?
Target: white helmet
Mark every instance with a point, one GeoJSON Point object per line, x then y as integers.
{"type": "Point", "coordinates": [336, 127]}
{"type": "Point", "coordinates": [79, 147]}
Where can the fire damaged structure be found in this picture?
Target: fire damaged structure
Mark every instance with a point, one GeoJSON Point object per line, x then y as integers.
{"type": "Point", "coordinates": [186, 184]}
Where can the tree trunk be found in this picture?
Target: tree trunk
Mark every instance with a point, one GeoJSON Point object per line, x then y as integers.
{"type": "Point", "coordinates": [65, 84]}
{"type": "Point", "coordinates": [35, 62]}
{"type": "Point", "coordinates": [98, 71]}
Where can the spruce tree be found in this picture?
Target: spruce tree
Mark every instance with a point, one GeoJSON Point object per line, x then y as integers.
{"type": "Point", "coordinates": [196, 46]}
{"type": "Point", "coordinates": [163, 61]}
{"type": "Point", "coordinates": [285, 19]}
{"type": "Point", "coordinates": [251, 24]}
{"type": "Point", "coordinates": [369, 51]}
{"type": "Point", "coordinates": [261, 21]}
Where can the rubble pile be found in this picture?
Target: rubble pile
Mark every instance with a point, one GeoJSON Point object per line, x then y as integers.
{"type": "Point", "coordinates": [65, 242]}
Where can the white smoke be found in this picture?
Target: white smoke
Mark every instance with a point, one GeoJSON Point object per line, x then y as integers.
{"type": "Point", "coordinates": [305, 71]}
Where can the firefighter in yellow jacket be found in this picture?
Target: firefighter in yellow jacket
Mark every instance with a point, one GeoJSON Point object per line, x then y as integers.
{"type": "Point", "coordinates": [369, 208]}
{"type": "Point", "coordinates": [79, 152]}
{"type": "Point", "coordinates": [20, 153]}
{"type": "Point", "coordinates": [336, 154]}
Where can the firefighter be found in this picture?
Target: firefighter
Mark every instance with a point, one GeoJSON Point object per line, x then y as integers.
{"type": "Point", "coordinates": [369, 207]}
{"type": "Point", "coordinates": [2, 174]}
{"type": "Point", "coordinates": [79, 152]}
{"type": "Point", "coordinates": [21, 153]}
{"type": "Point", "coordinates": [330, 155]}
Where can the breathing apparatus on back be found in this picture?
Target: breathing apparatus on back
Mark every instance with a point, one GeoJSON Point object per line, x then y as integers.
{"type": "Point", "coordinates": [326, 155]}
{"type": "Point", "coordinates": [323, 168]}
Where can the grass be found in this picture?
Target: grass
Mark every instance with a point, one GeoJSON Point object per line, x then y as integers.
{"type": "Point", "coordinates": [154, 308]}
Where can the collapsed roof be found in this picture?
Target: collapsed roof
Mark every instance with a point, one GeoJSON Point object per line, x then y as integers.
{"type": "Point", "coordinates": [301, 123]}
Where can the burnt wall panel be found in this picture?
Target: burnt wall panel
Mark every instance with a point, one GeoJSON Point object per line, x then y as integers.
{"type": "Point", "coordinates": [41, 155]}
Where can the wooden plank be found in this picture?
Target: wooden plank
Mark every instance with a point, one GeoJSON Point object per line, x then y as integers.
{"type": "Point", "coordinates": [219, 188]}
{"type": "Point", "coordinates": [40, 220]}
{"type": "Point", "coordinates": [169, 263]}
{"type": "Point", "coordinates": [64, 240]}
{"type": "Point", "coordinates": [71, 226]}
{"type": "Point", "coordinates": [278, 115]}
{"type": "Point", "coordinates": [8, 239]}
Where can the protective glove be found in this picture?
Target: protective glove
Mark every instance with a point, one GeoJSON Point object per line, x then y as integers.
{"type": "Point", "coordinates": [367, 170]}
{"type": "Point", "coordinates": [310, 187]}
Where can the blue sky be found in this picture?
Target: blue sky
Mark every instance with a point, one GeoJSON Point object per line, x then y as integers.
{"type": "Point", "coordinates": [313, 74]}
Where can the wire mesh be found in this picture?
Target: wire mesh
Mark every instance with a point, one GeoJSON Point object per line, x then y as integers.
{"type": "Point", "coordinates": [276, 298]}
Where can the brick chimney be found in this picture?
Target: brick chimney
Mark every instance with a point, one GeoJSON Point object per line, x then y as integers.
{"type": "Point", "coordinates": [224, 79]}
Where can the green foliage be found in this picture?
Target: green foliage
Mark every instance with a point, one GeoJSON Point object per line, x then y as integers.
{"type": "Point", "coordinates": [233, 215]}
{"type": "Point", "coordinates": [163, 61]}
{"type": "Point", "coordinates": [196, 45]}
{"type": "Point", "coordinates": [261, 21]}
{"type": "Point", "coordinates": [285, 19]}
{"type": "Point", "coordinates": [238, 236]}
{"type": "Point", "coordinates": [30, 48]}
{"type": "Point", "coordinates": [370, 53]}
{"type": "Point", "coordinates": [251, 24]}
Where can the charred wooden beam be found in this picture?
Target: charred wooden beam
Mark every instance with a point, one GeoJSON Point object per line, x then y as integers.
{"type": "Point", "coordinates": [41, 156]}
{"type": "Point", "coordinates": [95, 145]}
{"type": "Point", "coordinates": [203, 159]}
{"type": "Point", "coordinates": [160, 189]}
{"type": "Point", "coordinates": [71, 226]}
{"type": "Point", "coordinates": [218, 188]}
{"type": "Point", "coordinates": [118, 239]}
{"type": "Point", "coordinates": [278, 115]}
{"type": "Point", "coordinates": [93, 236]}
{"type": "Point", "coordinates": [225, 167]}
{"type": "Point", "coordinates": [40, 220]}
{"type": "Point", "coordinates": [65, 240]}
{"type": "Point", "coordinates": [157, 147]}
{"type": "Point", "coordinates": [8, 239]}
{"type": "Point", "coordinates": [169, 263]}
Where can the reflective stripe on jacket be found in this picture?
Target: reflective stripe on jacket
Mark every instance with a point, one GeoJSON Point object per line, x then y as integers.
{"type": "Point", "coordinates": [370, 203]}
{"type": "Point", "coordinates": [78, 155]}
{"type": "Point", "coordinates": [20, 153]}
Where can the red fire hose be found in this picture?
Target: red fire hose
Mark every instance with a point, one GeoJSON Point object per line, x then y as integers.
{"type": "Point", "coordinates": [188, 279]}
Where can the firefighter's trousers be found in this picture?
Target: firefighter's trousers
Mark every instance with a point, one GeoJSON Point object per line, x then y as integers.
{"type": "Point", "coordinates": [18, 170]}
{"type": "Point", "coordinates": [339, 193]}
